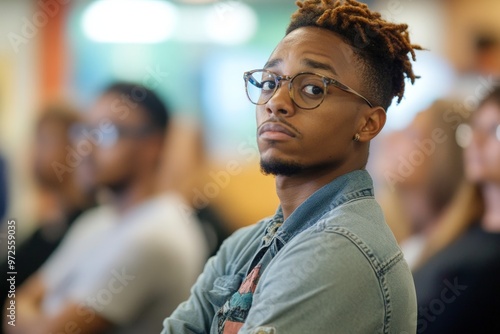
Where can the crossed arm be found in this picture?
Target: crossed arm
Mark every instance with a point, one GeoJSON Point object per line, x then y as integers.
{"type": "Point", "coordinates": [73, 318]}
{"type": "Point", "coordinates": [301, 294]}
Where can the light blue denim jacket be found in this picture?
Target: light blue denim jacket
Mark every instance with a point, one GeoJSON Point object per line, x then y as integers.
{"type": "Point", "coordinates": [334, 267]}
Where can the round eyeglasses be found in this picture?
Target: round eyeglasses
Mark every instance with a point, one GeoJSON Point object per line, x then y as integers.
{"type": "Point", "coordinates": [307, 90]}
{"type": "Point", "coordinates": [106, 136]}
{"type": "Point", "coordinates": [465, 133]}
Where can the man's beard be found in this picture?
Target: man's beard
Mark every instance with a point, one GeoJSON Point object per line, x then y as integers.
{"type": "Point", "coordinates": [282, 168]}
{"type": "Point", "coordinates": [116, 186]}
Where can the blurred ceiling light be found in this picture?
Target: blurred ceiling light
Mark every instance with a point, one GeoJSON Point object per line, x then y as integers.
{"type": "Point", "coordinates": [197, 2]}
{"type": "Point", "coordinates": [129, 21]}
{"type": "Point", "coordinates": [230, 22]}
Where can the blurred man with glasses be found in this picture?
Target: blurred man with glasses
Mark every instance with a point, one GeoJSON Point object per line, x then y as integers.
{"type": "Point", "coordinates": [126, 264]}
{"type": "Point", "coordinates": [326, 262]}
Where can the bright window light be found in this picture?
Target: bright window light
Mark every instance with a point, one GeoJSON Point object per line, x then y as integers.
{"type": "Point", "coordinates": [230, 22]}
{"type": "Point", "coordinates": [129, 21]}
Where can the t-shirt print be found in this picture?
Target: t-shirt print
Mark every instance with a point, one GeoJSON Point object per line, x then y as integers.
{"type": "Point", "coordinates": [234, 312]}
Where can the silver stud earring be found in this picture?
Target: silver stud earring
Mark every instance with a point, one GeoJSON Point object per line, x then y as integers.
{"type": "Point", "coordinates": [356, 137]}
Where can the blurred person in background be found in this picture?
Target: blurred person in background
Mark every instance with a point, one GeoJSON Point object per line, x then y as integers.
{"type": "Point", "coordinates": [423, 170]}
{"type": "Point", "coordinates": [457, 284]}
{"type": "Point", "coordinates": [62, 198]}
{"type": "Point", "coordinates": [326, 262]}
{"type": "Point", "coordinates": [183, 166]}
{"type": "Point", "coordinates": [487, 54]}
{"type": "Point", "coordinates": [123, 266]}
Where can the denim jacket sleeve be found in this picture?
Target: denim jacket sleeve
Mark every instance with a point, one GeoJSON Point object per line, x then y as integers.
{"type": "Point", "coordinates": [319, 283]}
{"type": "Point", "coordinates": [221, 277]}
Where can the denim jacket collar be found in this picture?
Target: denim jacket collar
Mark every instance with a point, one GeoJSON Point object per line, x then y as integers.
{"type": "Point", "coordinates": [346, 187]}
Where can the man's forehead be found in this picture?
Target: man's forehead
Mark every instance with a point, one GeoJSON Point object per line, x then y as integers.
{"type": "Point", "coordinates": [306, 62]}
{"type": "Point", "coordinates": [313, 47]}
{"type": "Point", "coordinates": [313, 35]}
{"type": "Point", "coordinates": [115, 107]}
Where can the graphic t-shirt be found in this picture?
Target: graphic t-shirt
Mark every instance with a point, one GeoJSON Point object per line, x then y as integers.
{"type": "Point", "coordinates": [234, 312]}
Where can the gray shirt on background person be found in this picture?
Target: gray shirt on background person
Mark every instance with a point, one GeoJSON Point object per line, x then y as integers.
{"type": "Point", "coordinates": [132, 270]}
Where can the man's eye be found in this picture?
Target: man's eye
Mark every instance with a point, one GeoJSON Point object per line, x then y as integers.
{"type": "Point", "coordinates": [268, 85]}
{"type": "Point", "coordinates": [312, 90]}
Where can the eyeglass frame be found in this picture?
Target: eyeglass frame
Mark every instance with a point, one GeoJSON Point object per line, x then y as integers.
{"type": "Point", "coordinates": [110, 133]}
{"type": "Point", "coordinates": [494, 131]}
{"type": "Point", "coordinates": [278, 78]}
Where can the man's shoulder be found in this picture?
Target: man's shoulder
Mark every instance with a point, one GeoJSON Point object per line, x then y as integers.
{"type": "Point", "coordinates": [163, 225]}
{"type": "Point", "coordinates": [165, 216]}
{"type": "Point", "coordinates": [362, 224]}
{"type": "Point", "coordinates": [92, 222]}
{"type": "Point", "coordinates": [163, 208]}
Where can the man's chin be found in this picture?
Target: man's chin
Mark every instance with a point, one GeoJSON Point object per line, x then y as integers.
{"type": "Point", "coordinates": [280, 168]}
{"type": "Point", "coordinates": [114, 185]}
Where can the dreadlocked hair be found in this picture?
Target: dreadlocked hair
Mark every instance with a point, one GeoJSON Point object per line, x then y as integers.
{"type": "Point", "coordinates": [382, 47]}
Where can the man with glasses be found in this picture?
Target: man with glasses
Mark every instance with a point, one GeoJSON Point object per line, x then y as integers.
{"type": "Point", "coordinates": [127, 264]}
{"type": "Point", "coordinates": [326, 262]}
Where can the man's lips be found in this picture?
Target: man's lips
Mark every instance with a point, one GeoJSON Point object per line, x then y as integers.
{"type": "Point", "coordinates": [275, 128]}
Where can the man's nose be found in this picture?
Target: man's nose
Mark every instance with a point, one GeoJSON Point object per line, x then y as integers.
{"type": "Point", "coordinates": [281, 103]}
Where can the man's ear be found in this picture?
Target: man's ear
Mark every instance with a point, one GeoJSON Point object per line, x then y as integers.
{"type": "Point", "coordinates": [373, 121]}
{"type": "Point", "coordinates": [153, 148]}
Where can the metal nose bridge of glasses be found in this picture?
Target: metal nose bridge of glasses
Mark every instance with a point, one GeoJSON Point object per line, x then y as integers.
{"type": "Point", "coordinates": [250, 79]}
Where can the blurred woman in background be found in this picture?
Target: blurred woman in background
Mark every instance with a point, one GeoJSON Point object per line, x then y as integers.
{"type": "Point", "coordinates": [457, 279]}
{"type": "Point", "coordinates": [62, 198]}
{"type": "Point", "coordinates": [419, 174]}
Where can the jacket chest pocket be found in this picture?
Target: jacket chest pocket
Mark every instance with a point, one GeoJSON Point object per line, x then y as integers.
{"type": "Point", "coordinates": [224, 287]}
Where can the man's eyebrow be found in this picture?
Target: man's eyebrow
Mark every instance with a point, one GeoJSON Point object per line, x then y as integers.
{"type": "Point", "coordinates": [318, 65]}
{"type": "Point", "coordinates": [273, 63]}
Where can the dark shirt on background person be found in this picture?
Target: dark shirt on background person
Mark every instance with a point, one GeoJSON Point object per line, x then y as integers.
{"type": "Point", "coordinates": [458, 290]}
{"type": "Point", "coordinates": [33, 252]}
{"type": "Point", "coordinates": [214, 228]}
{"type": "Point", "coordinates": [66, 197]}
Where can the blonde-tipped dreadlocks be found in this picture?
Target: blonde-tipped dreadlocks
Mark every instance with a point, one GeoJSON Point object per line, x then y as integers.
{"type": "Point", "coordinates": [383, 47]}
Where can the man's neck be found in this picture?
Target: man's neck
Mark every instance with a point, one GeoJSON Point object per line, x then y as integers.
{"type": "Point", "coordinates": [70, 198]}
{"type": "Point", "coordinates": [136, 192]}
{"type": "Point", "coordinates": [491, 196]}
{"type": "Point", "coordinates": [294, 190]}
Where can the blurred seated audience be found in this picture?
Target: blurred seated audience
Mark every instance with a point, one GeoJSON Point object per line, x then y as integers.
{"type": "Point", "coordinates": [422, 166]}
{"type": "Point", "coordinates": [126, 265]}
{"type": "Point", "coordinates": [183, 166]}
{"type": "Point", "coordinates": [66, 197]}
{"type": "Point", "coordinates": [487, 53]}
{"type": "Point", "coordinates": [457, 284]}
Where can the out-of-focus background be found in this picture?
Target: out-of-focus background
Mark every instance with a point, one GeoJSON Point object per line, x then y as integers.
{"type": "Point", "coordinates": [193, 53]}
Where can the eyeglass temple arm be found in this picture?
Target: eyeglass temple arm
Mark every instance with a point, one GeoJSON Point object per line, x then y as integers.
{"type": "Point", "coordinates": [350, 90]}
